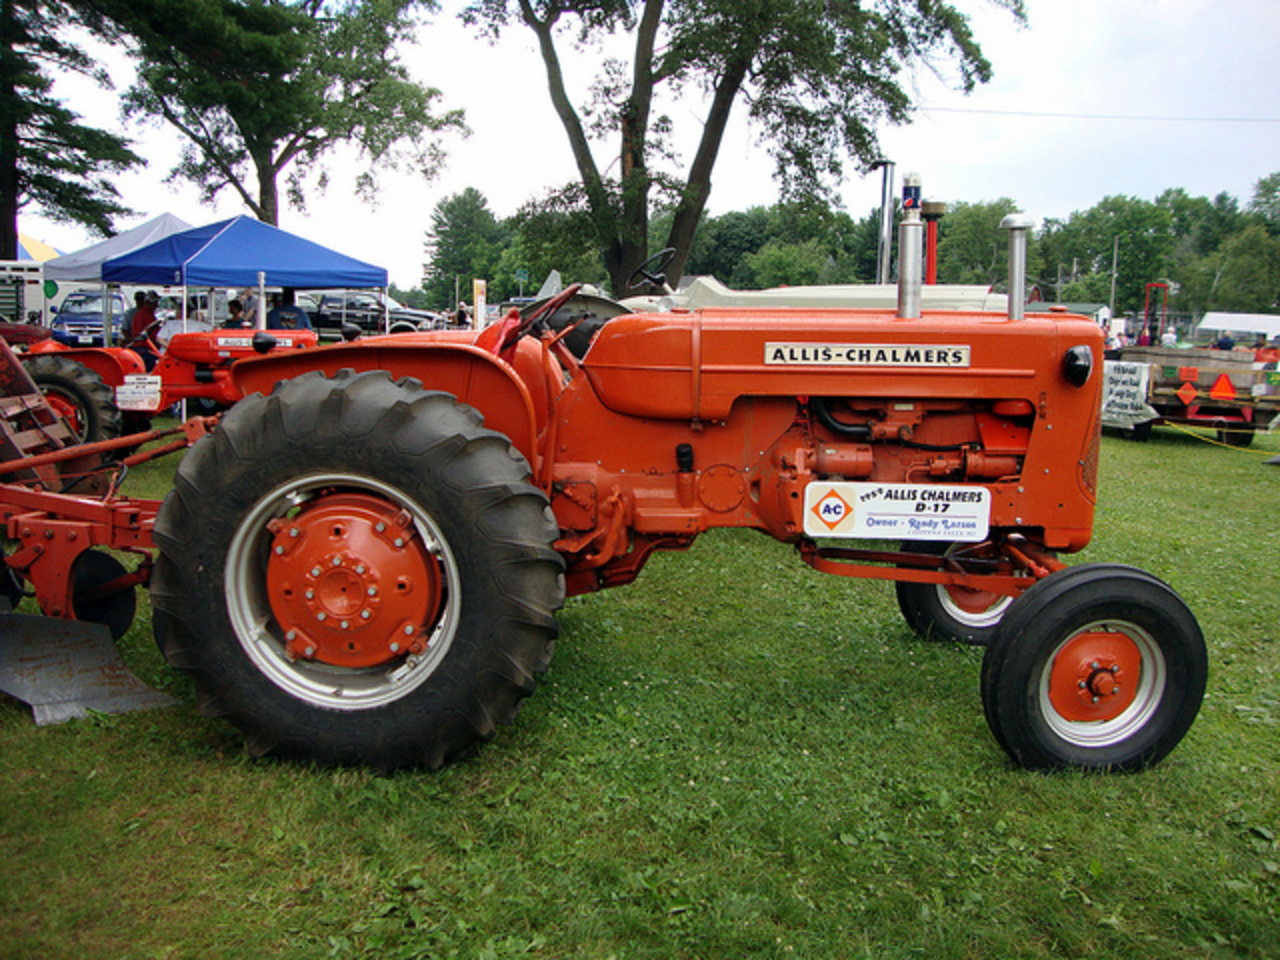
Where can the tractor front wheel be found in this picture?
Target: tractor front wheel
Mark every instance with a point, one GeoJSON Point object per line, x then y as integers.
{"type": "Point", "coordinates": [354, 570]}
{"type": "Point", "coordinates": [947, 611]}
{"type": "Point", "coordinates": [1097, 667]}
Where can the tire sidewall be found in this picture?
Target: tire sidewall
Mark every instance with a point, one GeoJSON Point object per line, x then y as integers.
{"type": "Point", "coordinates": [1050, 612]}
{"type": "Point", "coordinates": [426, 464]}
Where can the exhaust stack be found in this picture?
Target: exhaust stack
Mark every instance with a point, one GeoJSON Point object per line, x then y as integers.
{"type": "Point", "coordinates": [910, 252]}
{"type": "Point", "coordinates": [1019, 226]}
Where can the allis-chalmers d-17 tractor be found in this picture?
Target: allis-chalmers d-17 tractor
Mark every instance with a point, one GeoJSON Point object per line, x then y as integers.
{"type": "Point", "coordinates": [362, 563]}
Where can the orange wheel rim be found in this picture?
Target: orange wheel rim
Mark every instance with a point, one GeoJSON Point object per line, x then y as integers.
{"type": "Point", "coordinates": [1095, 676]}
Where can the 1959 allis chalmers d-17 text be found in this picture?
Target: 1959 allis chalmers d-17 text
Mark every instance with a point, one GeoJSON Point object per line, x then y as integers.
{"type": "Point", "coordinates": [363, 561]}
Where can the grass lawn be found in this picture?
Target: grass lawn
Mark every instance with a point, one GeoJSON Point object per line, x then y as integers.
{"type": "Point", "coordinates": [734, 757]}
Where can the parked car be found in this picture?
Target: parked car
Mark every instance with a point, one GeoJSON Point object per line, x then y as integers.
{"type": "Point", "coordinates": [329, 309]}
{"type": "Point", "coordinates": [78, 321]}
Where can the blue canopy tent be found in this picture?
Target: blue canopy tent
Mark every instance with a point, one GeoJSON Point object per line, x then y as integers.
{"type": "Point", "coordinates": [241, 252]}
{"type": "Point", "coordinates": [232, 253]}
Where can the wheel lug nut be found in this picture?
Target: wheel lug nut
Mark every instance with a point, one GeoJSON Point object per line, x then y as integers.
{"type": "Point", "coordinates": [315, 571]}
{"type": "Point", "coordinates": [365, 614]}
{"type": "Point", "coordinates": [322, 615]}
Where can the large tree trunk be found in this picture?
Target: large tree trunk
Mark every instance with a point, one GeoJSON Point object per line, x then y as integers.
{"type": "Point", "coordinates": [8, 138]}
{"type": "Point", "coordinates": [693, 200]}
{"type": "Point", "coordinates": [267, 209]}
{"type": "Point", "coordinates": [603, 215]}
{"type": "Point", "coordinates": [633, 230]}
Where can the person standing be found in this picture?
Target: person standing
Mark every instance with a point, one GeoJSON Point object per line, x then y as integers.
{"type": "Point", "coordinates": [287, 315]}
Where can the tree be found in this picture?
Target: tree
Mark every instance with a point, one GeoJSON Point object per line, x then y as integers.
{"type": "Point", "coordinates": [782, 264]}
{"type": "Point", "coordinates": [817, 77]}
{"type": "Point", "coordinates": [1266, 201]}
{"type": "Point", "coordinates": [264, 89]}
{"type": "Point", "coordinates": [972, 248]}
{"type": "Point", "coordinates": [1249, 279]}
{"type": "Point", "coordinates": [464, 242]}
{"type": "Point", "coordinates": [48, 158]}
{"type": "Point", "coordinates": [1086, 242]}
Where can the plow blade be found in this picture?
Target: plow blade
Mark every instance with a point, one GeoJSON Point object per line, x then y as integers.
{"type": "Point", "coordinates": [65, 669]}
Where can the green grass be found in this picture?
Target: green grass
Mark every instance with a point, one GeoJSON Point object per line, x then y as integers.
{"type": "Point", "coordinates": [734, 757]}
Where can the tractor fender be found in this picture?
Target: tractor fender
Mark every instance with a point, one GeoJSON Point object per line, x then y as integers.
{"type": "Point", "coordinates": [471, 374]}
{"type": "Point", "coordinates": [112, 364]}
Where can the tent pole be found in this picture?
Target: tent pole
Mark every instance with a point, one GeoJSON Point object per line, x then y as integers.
{"type": "Point", "coordinates": [261, 322]}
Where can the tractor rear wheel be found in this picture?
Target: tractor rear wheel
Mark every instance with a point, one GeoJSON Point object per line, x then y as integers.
{"type": "Point", "coordinates": [78, 395]}
{"type": "Point", "coordinates": [949, 612]}
{"type": "Point", "coordinates": [1097, 667]}
{"type": "Point", "coordinates": [354, 570]}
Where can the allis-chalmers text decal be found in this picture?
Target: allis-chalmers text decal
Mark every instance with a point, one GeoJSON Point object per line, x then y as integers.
{"type": "Point", "coordinates": [867, 354]}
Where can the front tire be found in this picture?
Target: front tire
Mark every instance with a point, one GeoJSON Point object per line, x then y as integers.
{"type": "Point", "coordinates": [1097, 667]}
{"type": "Point", "coordinates": [948, 612]}
{"type": "Point", "coordinates": [354, 570]}
{"type": "Point", "coordinates": [78, 395]}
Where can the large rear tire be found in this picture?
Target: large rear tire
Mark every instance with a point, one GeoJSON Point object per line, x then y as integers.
{"type": "Point", "coordinates": [354, 570]}
{"type": "Point", "coordinates": [1097, 667]}
{"type": "Point", "coordinates": [78, 395]}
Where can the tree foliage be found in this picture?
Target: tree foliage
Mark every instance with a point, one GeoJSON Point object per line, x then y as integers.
{"type": "Point", "coordinates": [816, 78]}
{"type": "Point", "coordinates": [266, 89]}
{"type": "Point", "coordinates": [972, 248]}
{"type": "Point", "coordinates": [464, 242]}
{"type": "Point", "coordinates": [1214, 255]}
{"type": "Point", "coordinates": [49, 159]}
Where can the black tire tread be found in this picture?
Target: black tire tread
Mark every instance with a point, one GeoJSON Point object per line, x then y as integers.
{"type": "Point", "coordinates": [97, 402]}
{"type": "Point", "coordinates": [513, 526]}
{"type": "Point", "coordinates": [1095, 589]}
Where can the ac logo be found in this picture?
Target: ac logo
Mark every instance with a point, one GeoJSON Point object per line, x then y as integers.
{"type": "Point", "coordinates": [832, 510]}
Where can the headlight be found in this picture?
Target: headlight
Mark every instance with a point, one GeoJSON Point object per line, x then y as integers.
{"type": "Point", "coordinates": [1077, 364]}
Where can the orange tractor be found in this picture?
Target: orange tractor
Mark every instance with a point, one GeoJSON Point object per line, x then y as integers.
{"type": "Point", "coordinates": [104, 391]}
{"type": "Point", "coordinates": [363, 562]}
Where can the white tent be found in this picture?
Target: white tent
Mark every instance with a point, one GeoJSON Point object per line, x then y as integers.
{"type": "Point", "coordinates": [1264, 323]}
{"type": "Point", "coordinates": [85, 266]}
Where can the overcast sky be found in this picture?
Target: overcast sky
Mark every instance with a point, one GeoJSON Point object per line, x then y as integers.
{"type": "Point", "coordinates": [1092, 98]}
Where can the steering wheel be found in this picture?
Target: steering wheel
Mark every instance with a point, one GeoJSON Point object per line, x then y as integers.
{"type": "Point", "coordinates": [145, 336]}
{"type": "Point", "coordinates": [654, 270]}
{"type": "Point", "coordinates": [547, 309]}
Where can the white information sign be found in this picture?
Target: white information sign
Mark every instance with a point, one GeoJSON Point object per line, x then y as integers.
{"type": "Point", "coordinates": [139, 392]}
{"type": "Point", "coordinates": [1124, 394]}
{"type": "Point", "coordinates": [897, 511]}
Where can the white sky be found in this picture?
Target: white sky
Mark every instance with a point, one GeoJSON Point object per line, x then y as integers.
{"type": "Point", "coordinates": [1093, 98]}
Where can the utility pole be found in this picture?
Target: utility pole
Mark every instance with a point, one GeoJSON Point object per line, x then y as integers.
{"type": "Point", "coordinates": [1115, 260]}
